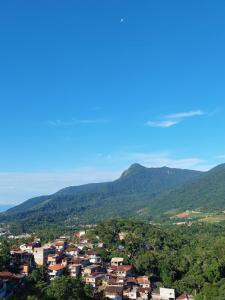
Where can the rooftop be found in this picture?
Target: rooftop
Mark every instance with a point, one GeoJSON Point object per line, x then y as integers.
{"type": "Point", "coordinates": [56, 267]}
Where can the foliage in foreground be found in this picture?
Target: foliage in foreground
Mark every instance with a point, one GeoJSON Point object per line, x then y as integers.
{"type": "Point", "coordinates": [190, 259]}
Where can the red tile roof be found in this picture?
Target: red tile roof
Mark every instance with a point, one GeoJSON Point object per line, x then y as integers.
{"type": "Point", "coordinates": [56, 267]}
{"type": "Point", "coordinates": [59, 243]}
{"type": "Point", "coordinates": [184, 296]}
{"type": "Point", "coordinates": [182, 215]}
{"type": "Point", "coordinates": [143, 279]}
{"type": "Point", "coordinates": [71, 249]}
{"type": "Point", "coordinates": [131, 279]}
{"type": "Point", "coordinates": [122, 268]}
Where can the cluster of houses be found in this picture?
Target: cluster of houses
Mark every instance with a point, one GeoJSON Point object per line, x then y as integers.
{"type": "Point", "coordinates": [115, 280]}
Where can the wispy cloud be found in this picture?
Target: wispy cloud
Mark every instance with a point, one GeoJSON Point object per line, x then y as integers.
{"type": "Point", "coordinates": [162, 124]}
{"type": "Point", "coordinates": [60, 123]}
{"type": "Point", "coordinates": [174, 119]}
{"type": "Point", "coordinates": [184, 115]}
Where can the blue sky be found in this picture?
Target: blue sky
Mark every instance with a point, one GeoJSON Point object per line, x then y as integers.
{"type": "Point", "coordinates": [89, 87]}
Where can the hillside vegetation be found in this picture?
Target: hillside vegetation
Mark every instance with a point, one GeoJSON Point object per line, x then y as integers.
{"type": "Point", "coordinates": [142, 193]}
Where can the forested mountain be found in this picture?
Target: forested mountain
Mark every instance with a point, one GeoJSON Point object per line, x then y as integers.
{"type": "Point", "coordinates": [129, 195]}
{"type": "Point", "coordinates": [140, 192]}
{"type": "Point", "coordinates": [206, 192]}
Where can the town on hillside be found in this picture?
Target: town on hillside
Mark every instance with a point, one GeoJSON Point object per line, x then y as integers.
{"type": "Point", "coordinates": [76, 257]}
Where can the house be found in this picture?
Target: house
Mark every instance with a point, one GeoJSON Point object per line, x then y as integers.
{"type": "Point", "coordinates": [143, 281]}
{"type": "Point", "coordinates": [84, 243]}
{"type": "Point", "coordinates": [41, 254]}
{"type": "Point", "coordinates": [91, 269]}
{"type": "Point", "coordinates": [80, 260]}
{"type": "Point", "coordinates": [136, 293]}
{"type": "Point", "coordinates": [60, 245]}
{"type": "Point", "coordinates": [144, 293]}
{"type": "Point", "coordinates": [167, 294]}
{"type": "Point", "coordinates": [95, 279]}
{"type": "Point", "coordinates": [123, 271]}
{"type": "Point", "coordinates": [74, 269]}
{"type": "Point", "coordinates": [115, 281]}
{"type": "Point", "coordinates": [114, 292]}
{"type": "Point", "coordinates": [72, 251]}
{"type": "Point", "coordinates": [56, 271]}
{"type": "Point", "coordinates": [117, 261]}
{"type": "Point", "coordinates": [19, 258]}
{"type": "Point", "coordinates": [53, 259]}
{"type": "Point", "coordinates": [95, 259]}
{"type": "Point", "coordinates": [130, 281]}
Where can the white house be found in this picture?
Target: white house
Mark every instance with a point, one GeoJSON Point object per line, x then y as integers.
{"type": "Point", "coordinates": [117, 261]}
{"type": "Point", "coordinates": [95, 279]}
{"type": "Point", "coordinates": [72, 251]}
{"type": "Point", "coordinates": [94, 259]}
{"type": "Point", "coordinates": [167, 294]}
{"type": "Point", "coordinates": [74, 269]}
{"type": "Point", "coordinates": [41, 254]}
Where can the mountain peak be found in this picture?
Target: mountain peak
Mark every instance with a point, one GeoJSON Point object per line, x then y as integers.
{"type": "Point", "coordinates": [136, 166]}
{"type": "Point", "coordinates": [133, 169]}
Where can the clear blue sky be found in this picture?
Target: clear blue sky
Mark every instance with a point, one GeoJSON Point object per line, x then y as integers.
{"type": "Point", "coordinates": [89, 87]}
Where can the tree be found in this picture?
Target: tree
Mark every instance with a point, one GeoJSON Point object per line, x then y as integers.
{"type": "Point", "coordinates": [68, 288]}
{"type": "Point", "coordinates": [4, 255]}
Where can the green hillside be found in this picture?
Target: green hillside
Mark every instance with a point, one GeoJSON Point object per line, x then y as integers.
{"type": "Point", "coordinates": [130, 195]}
{"type": "Point", "coordinates": [206, 192]}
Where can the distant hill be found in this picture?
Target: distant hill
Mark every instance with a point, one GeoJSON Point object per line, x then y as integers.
{"type": "Point", "coordinates": [5, 207]}
{"type": "Point", "coordinates": [130, 195]}
{"type": "Point", "coordinates": [205, 192]}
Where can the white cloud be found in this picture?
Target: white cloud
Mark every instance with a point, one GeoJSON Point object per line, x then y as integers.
{"type": "Point", "coordinates": [162, 124]}
{"type": "Point", "coordinates": [174, 119]}
{"type": "Point", "coordinates": [183, 115]}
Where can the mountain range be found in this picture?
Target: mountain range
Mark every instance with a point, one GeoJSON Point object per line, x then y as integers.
{"type": "Point", "coordinates": [140, 192]}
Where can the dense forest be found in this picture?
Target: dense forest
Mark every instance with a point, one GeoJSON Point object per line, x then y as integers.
{"type": "Point", "coordinates": [187, 258]}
